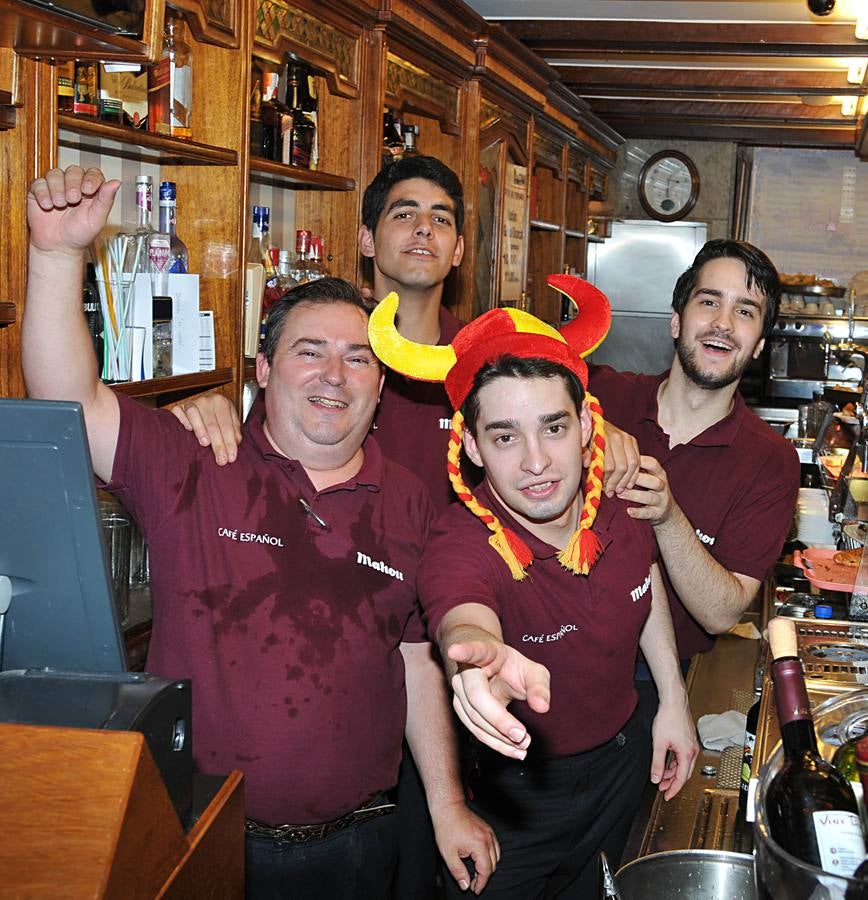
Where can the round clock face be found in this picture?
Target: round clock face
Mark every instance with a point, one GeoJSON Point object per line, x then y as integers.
{"type": "Point", "coordinates": [668, 185]}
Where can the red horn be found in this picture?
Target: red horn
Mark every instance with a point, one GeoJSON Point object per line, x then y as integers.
{"type": "Point", "coordinates": [591, 325]}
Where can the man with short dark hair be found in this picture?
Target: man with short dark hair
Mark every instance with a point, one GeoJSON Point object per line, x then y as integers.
{"type": "Point", "coordinates": [284, 586]}
{"type": "Point", "coordinates": [539, 590]}
{"type": "Point", "coordinates": [716, 483]}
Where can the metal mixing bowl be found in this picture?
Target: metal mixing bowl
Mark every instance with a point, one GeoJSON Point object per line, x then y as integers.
{"type": "Point", "coordinates": [691, 874]}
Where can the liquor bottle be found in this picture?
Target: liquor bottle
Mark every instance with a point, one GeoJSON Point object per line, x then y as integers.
{"type": "Point", "coordinates": [178, 256]}
{"type": "Point", "coordinates": [410, 133]}
{"type": "Point", "coordinates": [260, 252]}
{"type": "Point", "coordinates": [274, 116]}
{"type": "Point", "coordinates": [85, 101]}
{"type": "Point", "coordinates": [310, 107]}
{"type": "Point", "coordinates": [301, 265]}
{"type": "Point", "coordinates": [284, 272]}
{"type": "Point", "coordinates": [93, 313]}
{"type": "Point", "coordinates": [256, 118]}
{"type": "Point", "coordinates": [170, 86]}
{"type": "Point", "coordinates": [742, 817]}
{"type": "Point", "coordinates": [316, 265]}
{"type": "Point", "coordinates": [393, 142]}
{"type": "Point", "coordinates": [811, 809]}
{"type": "Point", "coordinates": [65, 72]}
{"type": "Point", "coordinates": [299, 135]}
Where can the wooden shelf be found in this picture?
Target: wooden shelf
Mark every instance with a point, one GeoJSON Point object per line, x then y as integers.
{"type": "Point", "coordinates": [266, 171]}
{"type": "Point", "coordinates": [175, 384]}
{"type": "Point", "coordinates": [134, 143]}
{"type": "Point", "coordinates": [7, 313]}
{"type": "Point", "coordinates": [540, 225]}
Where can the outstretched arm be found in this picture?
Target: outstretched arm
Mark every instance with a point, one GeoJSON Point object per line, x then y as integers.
{"type": "Point", "coordinates": [66, 210]}
{"type": "Point", "coordinates": [673, 729]}
{"type": "Point", "coordinates": [712, 594]}
{"type": "Point", "coordinates": [460, 834]}
{"type": "Point", "coordinates": [486, 675]}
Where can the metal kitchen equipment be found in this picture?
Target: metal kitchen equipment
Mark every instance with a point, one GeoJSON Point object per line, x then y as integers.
{"type": "Point", "coordinates": [694, 874]}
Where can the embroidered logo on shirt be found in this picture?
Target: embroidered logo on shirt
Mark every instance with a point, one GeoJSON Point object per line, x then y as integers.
{"type": "Point", "coordinates": [545, 638]}
{"type": "Point", "coordinates": [639, 592]}
{"type": "Point", "coordinates": [245, 537]}
{"type": "Point", "coordinates": [363, 559]}
{"type": "Point", "coordinates": [705, 538]}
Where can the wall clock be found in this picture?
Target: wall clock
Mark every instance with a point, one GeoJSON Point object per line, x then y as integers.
{"type": "Point", "coordinates": [668, 185]}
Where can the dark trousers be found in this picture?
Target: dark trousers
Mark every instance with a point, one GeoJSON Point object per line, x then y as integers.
{"type": "Point", "coordinates": [356, 863]}
{"type": "Point", "coordinates": [418, 857]}
{"type": "Point", "coordinates": [553, 816]}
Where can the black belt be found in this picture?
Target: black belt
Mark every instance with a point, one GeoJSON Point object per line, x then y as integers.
{"type": "Point", "coordinates": [296, 834]}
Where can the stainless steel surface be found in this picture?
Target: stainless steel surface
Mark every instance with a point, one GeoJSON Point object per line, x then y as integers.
{"type": "Point", "coordinates": [693, 874]}
{"type": "Point", "coordinates": [637, 268]}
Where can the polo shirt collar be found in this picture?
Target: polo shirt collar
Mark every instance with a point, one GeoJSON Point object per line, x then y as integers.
{"type": "Point", "coordinates": [370, 475]}
{"type": "Point", "coordinates": [720, 434]}
{"type": "Point", "coordinates": [540, 549]}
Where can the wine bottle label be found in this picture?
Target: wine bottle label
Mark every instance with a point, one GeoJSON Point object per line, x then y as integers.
{"type": "Point", "coordinates": [791, 696]}
{"type": "Point", "coordinates": [840, 841]}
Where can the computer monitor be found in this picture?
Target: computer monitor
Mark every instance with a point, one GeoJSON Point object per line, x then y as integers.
{"type": "Point", "coordinates": [54, 574]}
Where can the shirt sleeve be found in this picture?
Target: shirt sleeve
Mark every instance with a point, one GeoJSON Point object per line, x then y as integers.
{"type": "Point", "coordinates": [750, 541]}
{"type": "Point", "coordinates": [153, 462]}
{"type": "Point", "coordinates": [458, 566]}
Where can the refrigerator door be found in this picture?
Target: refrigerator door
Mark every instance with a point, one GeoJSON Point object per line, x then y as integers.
{"type": "Point", "coordinates": [637, 268]}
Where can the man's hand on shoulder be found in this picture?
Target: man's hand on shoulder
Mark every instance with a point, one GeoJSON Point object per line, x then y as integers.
{"type": "Point", "coordinates": [215, 422]}
{"type": "Point", "coordinates": [622, 460]}
{"type": "Point", "coordinates": [461, 835]}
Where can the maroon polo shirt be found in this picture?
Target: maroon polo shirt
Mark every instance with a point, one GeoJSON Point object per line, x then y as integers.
{"type": "Point", "coordinates": [737, 483]}
{"type": "Point", "coordinates": [584, 629]}
{"type": "Point", "coordinates": [289, 631]}
{"type": "Point", "coordinates": [413, 421]}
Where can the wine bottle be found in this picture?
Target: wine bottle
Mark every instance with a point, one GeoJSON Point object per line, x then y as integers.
{"type": "Point", "coordinates": [811, 809]}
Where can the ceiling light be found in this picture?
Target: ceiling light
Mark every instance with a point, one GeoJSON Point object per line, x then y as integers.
{"type": "Point", "coordinates": [856, 72]}
{"type": "Point", "coordinates": [849, 106]}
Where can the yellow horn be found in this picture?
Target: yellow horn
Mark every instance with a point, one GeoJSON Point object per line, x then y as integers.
{"type": "Point", "coordinates": [425, 362]}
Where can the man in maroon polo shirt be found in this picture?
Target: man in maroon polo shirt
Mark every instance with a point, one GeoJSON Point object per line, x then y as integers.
{"type": "Point", "coordinates": [412, 217]}
{"type": "Point", "coordinates": [716, 483]}
{"type": "Point", "coordinates": [283, 586]}
{"type": "Point", "coordinates": [523, 594]}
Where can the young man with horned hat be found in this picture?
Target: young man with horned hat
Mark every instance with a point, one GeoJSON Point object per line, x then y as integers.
{"type": "Point", "coordinates": [539, 590]}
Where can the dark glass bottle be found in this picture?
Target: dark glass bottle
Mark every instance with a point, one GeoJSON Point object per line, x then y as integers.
{"type": "Point", "coordinates": [93, 313]}
{"type": "Point", "coordinates": [298, 138]}
{"type": "Point", "coordinates": [273, 114]}
{"type": "Point", "coordinates": [811, 809]}
{"type": "Point", "coordinates": [752, 720]}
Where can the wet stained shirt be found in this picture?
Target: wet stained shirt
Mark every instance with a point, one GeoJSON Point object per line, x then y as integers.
{"type": "Point", "coordinates": [289, 630]}
{"type": "Point", "coordinates": [584, 629]}
{"type": "Point", "coordinates": [737, 482]}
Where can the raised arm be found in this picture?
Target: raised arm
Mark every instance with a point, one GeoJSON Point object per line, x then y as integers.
{"type": "Point", "coordinates": [66, 210]}
{"type": "Point", "coordinates": [460, 833]}
{"type": "Point", "coordinates": [673, 729]}
{"type": "Point", "coordinates": [486, 675]}
{"type": "Point", "coordinates": [712, 594]}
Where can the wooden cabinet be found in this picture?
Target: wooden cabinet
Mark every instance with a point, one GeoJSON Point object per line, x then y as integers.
{"type": "Point", "coordinates": [524, 148]}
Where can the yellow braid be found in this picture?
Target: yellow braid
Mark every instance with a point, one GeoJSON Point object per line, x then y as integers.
{"type": "Point", "coordinates": [498, 539]}
{"type": "Point", "coordinates": [583, 547]}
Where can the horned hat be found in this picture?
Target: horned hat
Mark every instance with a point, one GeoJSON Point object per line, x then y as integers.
{"type": "Point", "coordinates": [509, 332]}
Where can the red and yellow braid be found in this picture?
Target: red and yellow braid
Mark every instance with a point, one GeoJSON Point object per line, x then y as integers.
{"type": "Point", "coordinates": [584, 548]}
{"type": "Point", "coordinates": [514, 552]}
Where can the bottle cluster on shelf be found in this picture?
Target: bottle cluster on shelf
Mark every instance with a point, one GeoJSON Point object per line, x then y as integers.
{"type": "Point", "coordinates": [158, 98]}
{"type": "Point", "coordinates": [272, 271]}
{"type": "Point", "coordinates": [399, 139]}
{"type": "Point", "coordinates": [283, 115]}
{"type": "Point", "coordinates": [128, 296]}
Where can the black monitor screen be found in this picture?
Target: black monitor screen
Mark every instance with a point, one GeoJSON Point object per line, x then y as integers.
{"type": "Point", "coordinates": [61, 614]}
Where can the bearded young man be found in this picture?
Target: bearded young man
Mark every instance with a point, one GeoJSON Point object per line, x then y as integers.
{"type": "Point", "coordinates": [716, 483]}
